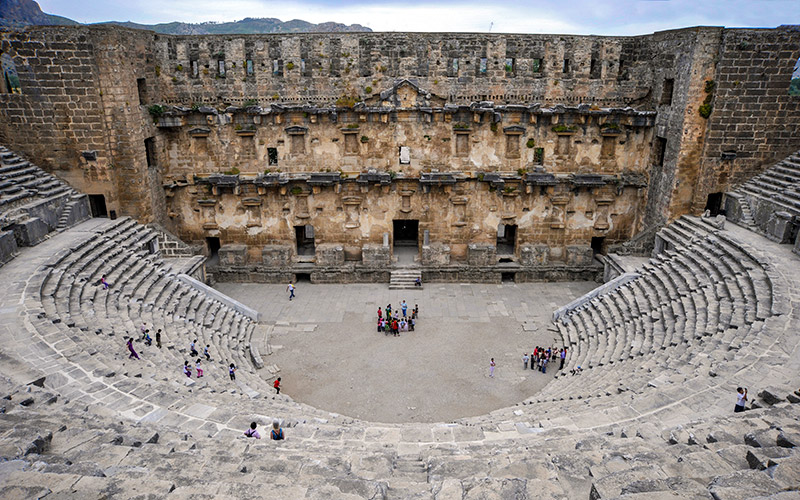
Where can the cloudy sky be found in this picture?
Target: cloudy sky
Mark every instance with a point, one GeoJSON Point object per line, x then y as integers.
{"type": "Point", "coordinates": [602, 17]}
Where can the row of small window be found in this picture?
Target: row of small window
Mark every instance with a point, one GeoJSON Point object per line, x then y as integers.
{"type": "Point", "coordinates": [352, 147]}
{"type": "Point", "coordinates": [277, 66]}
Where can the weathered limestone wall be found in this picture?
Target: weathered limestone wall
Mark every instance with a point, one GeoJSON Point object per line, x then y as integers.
{"type": "Point", "coordinates": [686, 57]}
{"type": "Point", "coordinates": [487, 139]}
{"type": "Point", "coordinates": [91, 100]}
{"type": "Point", "coordinates": [78, 115]}
{"type": "Point", "coordinates": [352, 215]}
{"type": "Point", "coordinates": [754, 120]}
{"type": "Point", "coordinates": [321, 68]}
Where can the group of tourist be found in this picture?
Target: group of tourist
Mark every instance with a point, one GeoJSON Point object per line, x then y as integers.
{"type": "Point", "coordinates": [542, 356]}
{"type": "Point", "coordinates": [398, 320]}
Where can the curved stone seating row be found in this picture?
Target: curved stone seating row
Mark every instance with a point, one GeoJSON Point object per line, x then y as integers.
{"type": "Point", "coordinates": [22, 182]}
{"type": "Point", "coordinates": [143, 291]}
{"type": "Point", "coordinates": [702, 298]}
{"type": "Point", "coordinates": [58, 448]}
{"type": "Point", "coordinates": [780, 183]}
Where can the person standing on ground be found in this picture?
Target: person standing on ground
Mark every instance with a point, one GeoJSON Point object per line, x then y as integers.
{"type": "Point", "coordinates": [380, 313]}
{"type": "Point", "coordinates": [741, 400]}
{"type": "Point", "coordinates": [158, 338]}
{"type": "Point", "coordinates": [380, 324]}
{"type": "Point", "coordinates": [404, 306]}
{"type": "Point", "coordinates": [525, 360]}
{"type": "Point", "coordinates": [290, 289]}
{"type": "Point", "coordinates": [412, 324]}
{"type": "Point", "coordinates": [131, 349]}
{"type": "Point", "coordinates": [277, 385]}
{"type": "Point", "coordinates": [416, 310]}
{"type": "Point", "coordinates": [544, 365]}
{"type": "Point", "coordinates": [491, 368]}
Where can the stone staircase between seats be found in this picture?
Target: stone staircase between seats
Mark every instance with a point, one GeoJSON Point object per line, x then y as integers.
{"type": "Point", "coordinates": [404, 279]}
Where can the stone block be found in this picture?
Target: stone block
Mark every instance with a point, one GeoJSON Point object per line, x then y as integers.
{"type": "Point", "coordinates": [276, 255]}
{"type": "Point", "coordinates": [534, 255]}
{"type": "Point", "coordinates": [796, 248]}
{"type": "Point", "coordinates": [8, 246]}
{"type": "Point", "coordinates": [330, 254]}
{"type": "Point", "coordinates": [436, 254]}
{"type": "Point", "coordinates": [376, 255]}
{"type": "Point", "coordinates": [481, 255]}
{"type": "Point", "coordinates": [233, 255]}
{"type": "Point", "coordinates": [579, 255]}
{"type": "Point", "coordinates": [30, 232]}
{"type": "Point", "coordinates": [779, 227]}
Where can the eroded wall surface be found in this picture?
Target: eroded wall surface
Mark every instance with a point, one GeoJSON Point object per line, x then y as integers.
{"type": "Point", "coordinates": [463, 132]}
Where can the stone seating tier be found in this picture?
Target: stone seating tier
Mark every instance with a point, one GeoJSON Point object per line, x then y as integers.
{"type": "Point", "coordinates": [67, 449]}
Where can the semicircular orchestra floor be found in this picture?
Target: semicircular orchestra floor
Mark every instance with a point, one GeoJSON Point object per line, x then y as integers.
{"type": "Point", "coordinates": [331, 356]}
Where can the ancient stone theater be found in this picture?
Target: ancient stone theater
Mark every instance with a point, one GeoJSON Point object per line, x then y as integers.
{"type": "Point", "coordinates": [140, 169]}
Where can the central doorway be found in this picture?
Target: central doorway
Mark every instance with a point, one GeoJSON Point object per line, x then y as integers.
{"type": "Point", "coordinates": [405, 240]}
{"type": "Point", "coordinates": [304, 235]}
{"type": "Point", "coordinates": [506, 239]}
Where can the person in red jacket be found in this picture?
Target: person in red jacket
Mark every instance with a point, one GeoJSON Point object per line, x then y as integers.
{"type": "Point", "coordinates": [277, 385]}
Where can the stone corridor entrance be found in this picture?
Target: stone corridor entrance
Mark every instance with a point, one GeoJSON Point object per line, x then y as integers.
{"type": "Point", "coordinates": [405, 237]}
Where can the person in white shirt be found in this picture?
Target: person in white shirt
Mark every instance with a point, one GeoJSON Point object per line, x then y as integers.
{"type": "Point", "coordinates": [741, 399]}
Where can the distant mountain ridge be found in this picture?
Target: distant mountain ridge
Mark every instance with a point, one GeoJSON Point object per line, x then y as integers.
{"type": "Point", "coordinates": [21, 13]}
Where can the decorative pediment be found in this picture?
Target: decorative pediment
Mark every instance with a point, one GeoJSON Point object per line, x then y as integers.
{"type": "Point", "coordinates": [408, 94]}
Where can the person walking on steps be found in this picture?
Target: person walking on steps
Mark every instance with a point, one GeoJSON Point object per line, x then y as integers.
{"type": "Point", "coordinates": [187, 370]}
{"type": "Point", "coordinates": [741, 400]}
{"type": "Point", "coordinates": [158, 338]}
{"type": "Point", "coordinates": [104, 282]}
{"type": "Point", "coordinates": [277, 385]}
{"type": "Point", "coordinates": [131, 349]}
{"type": "Point", "coordinates": [491, 367]}
{"type": "Point", "coordinates": [192, 350]}
{"type": "Point", "coordinates": [205, 352]}
{"type": "Point", "coordinates": [198, 368]}
{"type": "Point", "coordinates": [232, 371]}
{"type": "Point", "coordinates": [290, 289]}
{"type": "Point", "coordinates": [563, 355]}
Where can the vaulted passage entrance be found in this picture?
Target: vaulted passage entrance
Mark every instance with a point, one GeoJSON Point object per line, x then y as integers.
{"type": "Point", "coordinates": [405, 236]}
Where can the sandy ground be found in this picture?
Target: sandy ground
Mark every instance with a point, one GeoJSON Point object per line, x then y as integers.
{"type": "Point", "coordinates": [331, 356]}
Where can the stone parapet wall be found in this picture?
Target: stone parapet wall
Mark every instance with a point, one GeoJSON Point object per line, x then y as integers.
{"type": "Point", "coordinates": [360, 273]}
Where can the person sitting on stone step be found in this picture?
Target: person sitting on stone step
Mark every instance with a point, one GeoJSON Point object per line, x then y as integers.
{"type": "Point", "coordinates": [418, 282]}
{"type": "Point", "coordinates": [276, 434]}
{"type": "Point", "coordinates": [252, 432]}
